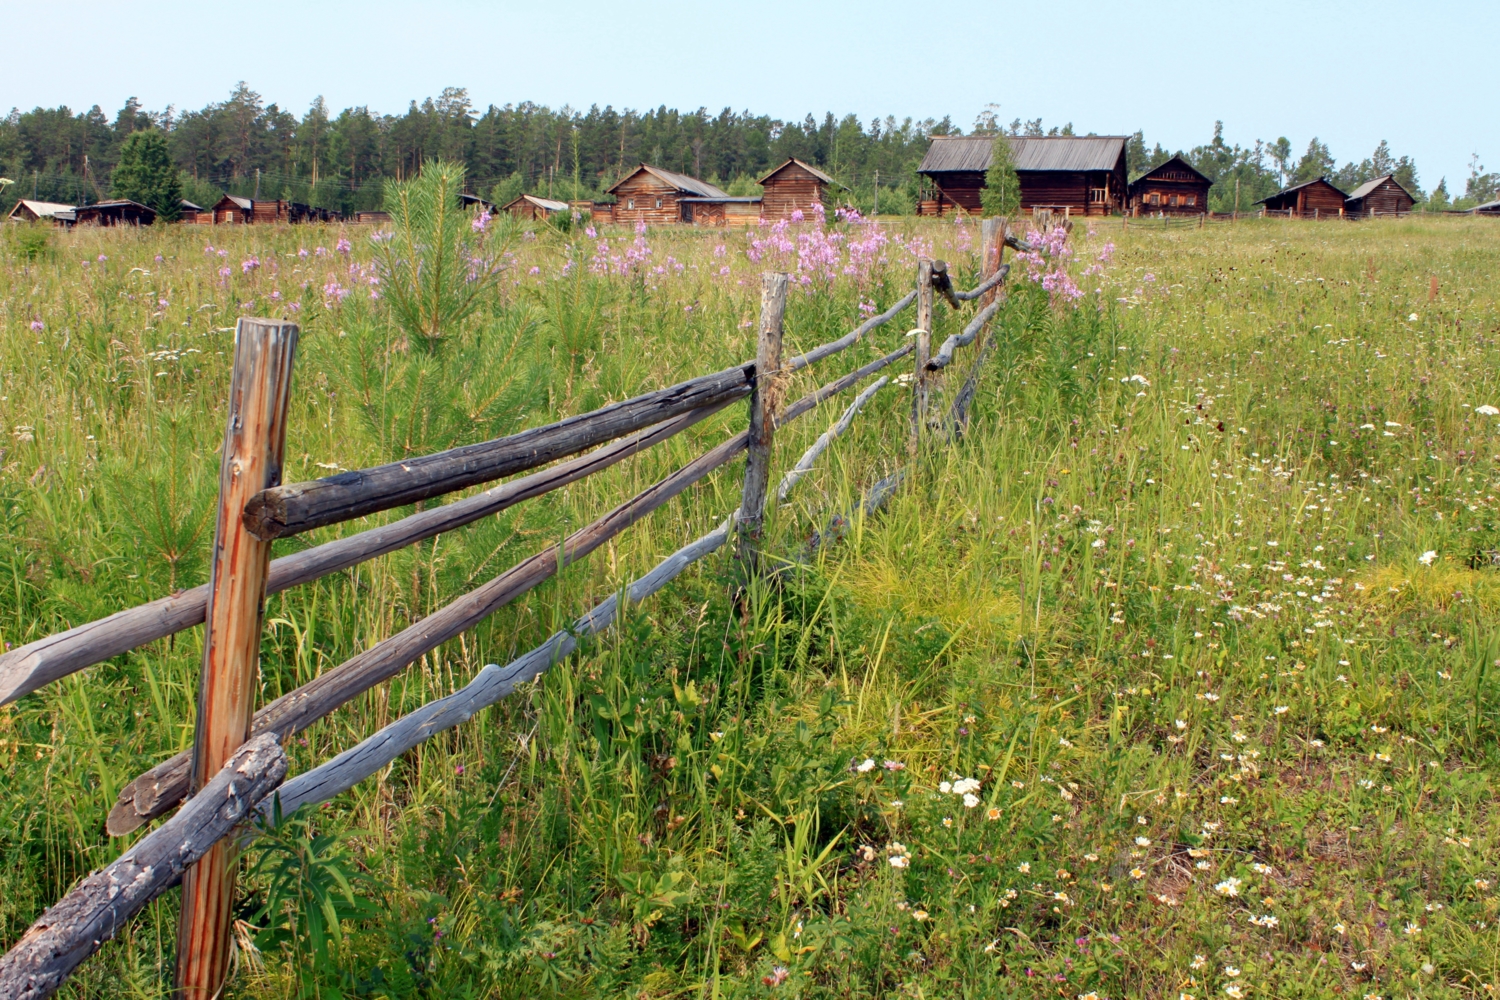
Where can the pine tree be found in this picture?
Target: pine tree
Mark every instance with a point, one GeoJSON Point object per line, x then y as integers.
{"type": "Point", "coordinates": [1002, 186]}
{"type": "Point", "coordinates": [146, 174]}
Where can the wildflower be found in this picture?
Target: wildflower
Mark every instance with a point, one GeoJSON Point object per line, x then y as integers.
{"type": "Point", "coordinates": [1024, 867]}
{"type": "Point", "coordinates": [1090, 995]}
{"type": "Point", "coordinates": [249, 264]}
{"type": "Point", "coordinates": [1143, 841]}
{"type": "Point", "coordinates": [970, 800]}
{"type": "Point", "coordinates": [945, 787]}
{"type": "Point", "coordinates": [894, 765]}
{"type": "Point", "coordinates": [993, 813]}
{"type": "Point", "coordinates": [777, 976]}
{"type": "Point", "coordinates": [900, 861]}
{"type": "Point", "coordinates": [343, 245]}
{"type": "Point", "coordinates": [37, 326]}
{"type": "Point", "coordinates": [947, 821]}
{"type": "Point", "coordinates": [1231, 971]}
{"type": "Point", "coordinates": [1180, 724]}
{"type": "Point", "coordinates": [1412, 318]}
{"type": "Point", "coordinates": [1198, 962]}
{"type": "Point", "coordinates": [459, 769]}
{"type": "Point", "coordinates": [1137, 874]}
{"type": "Point", "coordinates": [1267, 921]}
{"type": "Point", "coordinates": [1229, 887]}
{"type": "Point", "coordinates": [1234, 991]}
{"type": "Point", "coordinates": [1091, 856]}
{"type": "Point", "coordinates": [1280, 709]}
{"type": "Point", "coordinates": [865, 765]}
{"type": "Point", "coordinates": [919, 915]}
{"type": "Point", "coordinates": [1411, 930]}
{"type": "Point", "coordinates": [1487, 410]}
{"type": "Point", "coordinates": [1482, 884]}
{"type": "Point", "coordinates": [1427, 558]}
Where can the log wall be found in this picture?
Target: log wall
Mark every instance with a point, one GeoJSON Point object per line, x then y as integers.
{"type": "Point", "coordinates": [789, 189]}
{"type": "Point", "coordinates": [645, 198]}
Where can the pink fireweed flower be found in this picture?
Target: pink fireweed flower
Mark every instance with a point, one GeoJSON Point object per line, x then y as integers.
{"type": "Point", "coordinates": [320, 251]}
{"type": "Point", "coordinates": [249, 264]}
{"type": "Point", "coordinates": [102, 258]}
{"type": "Point", "coordinates": [333, 293]}
{"type": "Point", "coordinates": [37, 326]}
{"type": "Point", "coordinates": [534, 270]}
{"type": "Point", "coordinates": [342, 246]}
{"type": "Point", "coordinates": [209, 249]}
{"type": "Point", "coordinates": [591, 232]}
{"type": "Point", "coordinates": [158, 258]}
{"type": "Point", "coordinates": [225, 272]}
{"type": "Point", "coordinates": [302, 252]}
{"type": "Point", "coordinates": [481, 221]}
{"type": "Point", "coordinates": [797, 215]}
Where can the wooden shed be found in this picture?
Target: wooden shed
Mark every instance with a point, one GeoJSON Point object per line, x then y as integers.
{"type": "Point", "coordinates": [371, 218]}
{"type": "Point", "coordinates": [1488, 208]}
{"type": "Point", "coordinates": [654, 196]}
{"type": "Point", "coordinates": [1382, 196]}
{"type": "Point", "coordinates": [794, 186]}
{"type": "Point", "coordinates": [729, 210]}
{"type": "Point", "coordinates": [115, 212]}
{"type": "Point", "coordinates": [1315, 199]}
{"type": "Point", "coordinates": [28, 210]}
{"type": "Point", "coordinates": [1069, 174]}
{"type": "Point", "coordinates": [1174, 188]}
{"type": "Point", "coordinates": [476, 202]}
{"type": "Point", "coordinates": [529, 206]}
{"type": "Point", "coordinates": [233, 210]}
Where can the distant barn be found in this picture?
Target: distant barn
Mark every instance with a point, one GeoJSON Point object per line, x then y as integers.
{"type": "Point", "coordinates": [28, 210]}
{"type": "Point", "coordinates": [1069, 174]}
{"type": "Point", "coordinates": [1382, 196]}
{"type": "Point", "coordinates": [1174, 188]}
{"type": "Point", "coordinates": [115, 212]}
{"type": "Point", "coordinates": [794, 186]}
{"type": "Point", "coordinates": [474, 201]}
{"type": "Point", "coordinates": [529, 206]}
{"type": "Point", "coordinates": [233, 210]}
{"type": "Point", "coordinates": [1488, 208]}
{"type": "Point", "coordinates": [730, 210]}
{"type": "Point", "coordinates": [192, 214]}
{"type": "Point", "coordinates": [1315, 199]}
{"type": "Point", "coordinates": [655, 196]}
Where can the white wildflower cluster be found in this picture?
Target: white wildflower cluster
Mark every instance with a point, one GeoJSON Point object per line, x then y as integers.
{"type": "Point", "coordinates": [965, 787]}
{"type": "Point", "coordinates": [897, 854]}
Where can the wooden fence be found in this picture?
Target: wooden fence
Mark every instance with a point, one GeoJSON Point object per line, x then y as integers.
{"type": "Point", "coordinates": [236, 763]}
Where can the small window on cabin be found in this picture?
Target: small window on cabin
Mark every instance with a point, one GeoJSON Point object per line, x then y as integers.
{"type": "Point", "coordinates": [1155, 198]}
{"type": "Point", "coordinates": [1192, 199]}
{"type": "Point", "coordinates": [1172, 201]}
{"type": "Point", "coordinates": [1096, 194]}
{"type": "Point", "coordinates": [658, 203]}
{"type": "Point", "coordinates": [630, 203]}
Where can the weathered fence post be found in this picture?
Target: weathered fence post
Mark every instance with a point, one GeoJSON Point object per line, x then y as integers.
{"type": "Point", "coordinates": [765, 398]}
{"type": "Point", "coordinates": [923, 352]}
{"type": "Point", "coordinates": [254, 442]}
{"type": "Point", "coordinates": [992, 248]}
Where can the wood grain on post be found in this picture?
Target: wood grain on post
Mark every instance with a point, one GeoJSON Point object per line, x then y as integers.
{"type": "Point", "coordinates": [764, 400]}
{"type": "Point", "coordinates": [992, 249]}
{"type": "Point", "coordinates": [73, 929]}
{"type": "Point", "coordinates": [924, 350]}
{"type": "Point", "coordinates": [254, 442]}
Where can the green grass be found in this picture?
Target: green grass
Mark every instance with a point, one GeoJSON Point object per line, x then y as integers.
{"type": "Point", "coordinates": [1123, 621]}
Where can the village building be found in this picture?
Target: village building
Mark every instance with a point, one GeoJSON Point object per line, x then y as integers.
{"type": "Point", "coordinates": [29, 210]}
{"type": "Point", "coordinates": [529, 206]}
{"type": "Point", "coordinates": [192, 214]}
{"type": "Point", "coordinates": [1173, 188]}
{"type": "Point", "coordinates": [1488, 208]}
{"type": "Point", "coordinates": [371, 218]}
{"type": "Point", "coordinates": [115, 212]}
{"type": "Point", "coordinates": [1382, 196]}
{"type": "Point", "coordinates": [474, 201]}
{"type": "Point", "coordinates": [730, 210]}
{"type": "Point", "coordinates": [1315, 199]}
{"type": "Point", "coordinates": [655, 196]}
{"type": "Point", "coordinates": [793, 187]}
{"type": "Point", "coordinates": [1068, 174]}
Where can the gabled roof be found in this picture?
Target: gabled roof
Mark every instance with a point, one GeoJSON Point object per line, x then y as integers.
{"type": "Point", "coordinates": [1179, 163]}
{"type": "Point", "coordinates": [971, 153]}
{"type": "Point", "coordinates": [1369, 186]}
{"type": "Point", "coordinates": [470, 200]}
{"type": "Point", "coordinates": [681, 182]}
{"type": "Point", "coordinates": [188, 206]}
{"type": "Point", "coordinates": [546, 203]}
{"type": "Point", "coordinates": [41, 209]}
{"type": "Point", "coordinates": [243, 203]}
{"type": "Point", "coordinates": [1488, 208]}
{"type": "Point", "coordinates": [809, 168]}
{"type": "Point", "coordinates": [1299, 187]}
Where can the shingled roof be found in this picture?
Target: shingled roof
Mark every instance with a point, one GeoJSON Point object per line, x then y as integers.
{"type": "Point", "coordinates": [682, 182]}
{"type": "Point", "coordinates": [1369, 186]}
{"type": "Point", "coordinates": [950, 153]}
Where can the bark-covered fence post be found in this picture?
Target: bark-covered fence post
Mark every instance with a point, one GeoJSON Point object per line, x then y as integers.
{"type": "Point", "coordinates": [992, 248]}
{"type": "Point", "coordinates": [923, 352]}
{"type": "Point", "coordinates": [254, 443]}
{"type": "Point", "coordinates": [765, 399]}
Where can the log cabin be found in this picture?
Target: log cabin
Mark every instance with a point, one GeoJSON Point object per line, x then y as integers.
{"type": "Point", "coordinates": [29, 210]}
{"type": "Point", "coordinates": [794, 186]}
{"type": "Point", "coordinates": [1382, 196]}
{"type": "Point", "coordinates": [115, 212]}
{"type": "Point", "coordinates": [655, 196]}
{"type": "Point", "coordinates": [1315, 199]}
{"type": "Point", "coordinates": [726, 211]}
{"type": "Point", "coordinates": [232, 210]}
{"type": "Point", "coordinates": [1069, 174]}
{"type": "Point", "coordinates": [474, 201]}
{"type": "Point", "coordinates": [529, 206]}
{"type": "Point", "coordinates": [1488, 208]}
{"type": "Point", "coordinates": [1173, 188]}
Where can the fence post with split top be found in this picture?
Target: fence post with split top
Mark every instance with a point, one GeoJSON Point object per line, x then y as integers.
{"type": "Point", "coordinates": [764, 401]}
{"type": "Point", "coordinates": [254, 443]}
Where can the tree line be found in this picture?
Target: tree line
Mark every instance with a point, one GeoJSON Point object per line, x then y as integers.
{"type": "Point", "coordinates": [248, 147]}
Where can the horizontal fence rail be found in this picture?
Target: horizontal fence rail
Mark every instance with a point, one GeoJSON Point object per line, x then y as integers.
{"type": "Point", "coordinates": [94, 911]}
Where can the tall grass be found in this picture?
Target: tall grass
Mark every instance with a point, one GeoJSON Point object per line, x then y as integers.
{"type": "Point", "coordinates": [1167, 604]}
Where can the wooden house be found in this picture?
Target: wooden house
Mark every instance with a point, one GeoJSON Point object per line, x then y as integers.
{"type": "Point", "coordinates": [115, 212]}
{"type": "Point", "coordinates": [1382, 196]}
{"type": "Point", "coordinates": [1174, 188]}
{"type": "Point", "coordinates": [371, 218]}
{"type": "Point", "coordinates": [1069, 174]}
{"type": "Point", "coordinates": [1315, 199]}
{"type": "Point", "coordinates": [529, 206]}
{"type": "Point", "coordinates": [1488, 208]}
{"type": "Point", "coordinates": [28, 210]}
{"type": "Point", "coordinates": [232, 210]}
{"type": "Point", "coordinates": [792, 187]}
{"type": "Point", "coordinates": [655, 196]}
{"type": "Point", "coordinates": [193, 215]}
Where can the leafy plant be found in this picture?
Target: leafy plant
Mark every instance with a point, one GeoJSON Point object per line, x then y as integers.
{"type": "Point", "coordinates": [1002, 186]}
{"type": "Point", "coordinates": [147, 174]}
{"type": "Point", "coordinates": [436, 264]}
{"type": "Point", "coordinates": [309, 891]}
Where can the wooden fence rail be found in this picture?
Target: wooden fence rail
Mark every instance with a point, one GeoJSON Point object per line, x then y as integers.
{"type": "Point", "coordinates": [254, 509]}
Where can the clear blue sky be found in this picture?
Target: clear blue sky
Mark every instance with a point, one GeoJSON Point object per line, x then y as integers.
{"type": "Point", "coordinates": [1422, 76]}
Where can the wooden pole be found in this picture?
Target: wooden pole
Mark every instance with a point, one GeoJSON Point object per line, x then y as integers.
{"type": "Point", "coordinates": [764, 399]}
{"type": "Point", "coordinates": [924, 350]}
{"type": "Point", "coordinates": [992, 249]}
{"type": "Point", "coordinates": [254, 442]}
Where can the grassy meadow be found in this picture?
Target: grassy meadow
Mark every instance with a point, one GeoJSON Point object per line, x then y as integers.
{"type": "Point", "coordinates": [1178, 677]}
